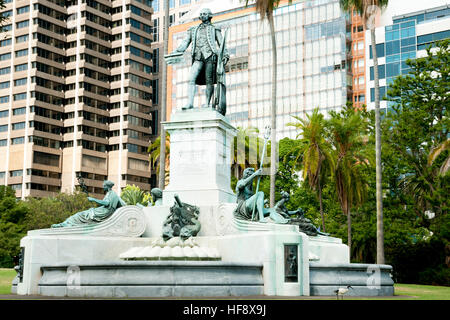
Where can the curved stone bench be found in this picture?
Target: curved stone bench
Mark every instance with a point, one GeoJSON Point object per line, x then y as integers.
{"type": "Point", "coordinates": [128, 221]}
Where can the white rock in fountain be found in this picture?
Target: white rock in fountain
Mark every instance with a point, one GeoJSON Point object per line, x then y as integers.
{"type": "Point", "coordinates": [173, 249]}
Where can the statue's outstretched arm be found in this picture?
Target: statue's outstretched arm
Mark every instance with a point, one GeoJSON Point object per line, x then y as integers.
{"type": "Point", "coordinates": [186, 42]}
{"type": "Point", "coordinates": [244, 182]}
{"type": "Point", "coordinates": [105, 202]}
{"type": "Point", "coordinates": [101, 202]}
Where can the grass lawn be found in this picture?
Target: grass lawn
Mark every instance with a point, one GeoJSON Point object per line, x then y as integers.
{"type": "Point", "coordinates": [6, 277]}
{"type": "Point", "coordinates": [402, 291]}
{"type": "Point", "coordinates": [422, 292]}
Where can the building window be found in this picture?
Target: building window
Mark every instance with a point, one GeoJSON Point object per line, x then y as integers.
{"type": "Point", "coordinates": [6, 14]}
{"type": "Point", "coordinates": [20, 96]}
{"type": "Point", "coordinates": [382, 93]}
{"type": "Point", "coordinates": [155, 121]}
{"type": "Point", "coordinates": [21, 53]}
{"type": "Point", "coordinates": [20, 82]}
{"type": "Point", "coordinates": [19, 140]}
{"type": "Point", "coordinates": [429, 39]}
{"type": "Point", "coordinates": [23, 10]}
{"type": "Point", "coordinates": [4, 85]}
{"type": "Point", "coordinates": [380, 50]}
{"type": "Point", "coordinates": [5, 43]}
{"type": "Point", "coordinates": [19, 111]}
{"type": "Point", "coordinates": [155, 30]}
{"type": "Point", "coordinates": [21, 39]}
{"type": "Point", "coordinates": [22, 24]}
{"type": "Point", "coordinates": [4, 114]}
{"type": "Point", "coordinates": [45, 158]}
{"type": "Point", "coordinates": [4, 99]}
{"type": "Point", "coordinates": [155, 91]}
{"type": "Point", "coordinates": [156, 60]}
{"type": "Point", "coordinates": [361, 80]}
{"type": "Point", "coordinates": [5, 56]}
{"type": "Point", "coordinates": [21, 67]}
{"type": "Point", "coordinates": [392, 47]}
{"type": "Point", "coordinates": [381, 72]}
{"type": "Point", "coordinates": [3, 143]}
{"type": "Point", "coordinates": [5, 70]}
{"type": "Point", "coordinates": [392, 69]}
{"type": "Point", "coordinates": [16, 173]}
{"type": "Point", "coordinates": [18, 126]}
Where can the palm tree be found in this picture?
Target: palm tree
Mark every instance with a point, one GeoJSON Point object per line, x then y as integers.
{"type": "Point", "coordinates": [315, 152]}
{"type": "Point", "coordinates": [155, 154]}
{"type": "Point", "coordinates": [163, 151]}
{"type": "Point", "coordinates": [365, 8]}
{"type": "Point", "coordinates": [347, 131]}
{"type": "Point", "coordinates": [265, 9]}
{"type": "Point", "coordinates": [436, 151]}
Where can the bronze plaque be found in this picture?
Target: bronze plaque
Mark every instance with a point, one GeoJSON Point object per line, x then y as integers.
{"type": "Point", "coordinates": [290, 263]}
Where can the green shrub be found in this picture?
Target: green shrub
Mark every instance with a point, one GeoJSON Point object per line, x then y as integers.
{"type": "Point", "coordinates": [422, 262]}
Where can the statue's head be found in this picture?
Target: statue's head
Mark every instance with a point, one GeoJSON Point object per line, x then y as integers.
{"type": "Point", "coordinates": [285, 195]}
{"type": "Point", "coordinates": [205, 14]}
{"type": "Point", "coordinates": [248, 172]}
{"type": "Point", "coordinates": [107, 185]}
{"type": "Point", "coordinates": [156, 194]}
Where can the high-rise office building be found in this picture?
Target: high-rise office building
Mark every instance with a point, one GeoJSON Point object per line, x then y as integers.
{"type": "Point", "coordinates": [405, 34]}
{"type": "Point", "coordinates": [314, 62]}
{"type": "Point", "coordinates": [75, 95]}
{"type": "Point", "coordinates": [358, 61]}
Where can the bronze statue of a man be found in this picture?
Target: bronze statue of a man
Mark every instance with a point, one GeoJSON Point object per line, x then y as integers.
{"type": "Point", "coordinates": [206, 40]}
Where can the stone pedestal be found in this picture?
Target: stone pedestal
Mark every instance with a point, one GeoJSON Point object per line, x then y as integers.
{"type": "Point", "coordinates": [200, 157]}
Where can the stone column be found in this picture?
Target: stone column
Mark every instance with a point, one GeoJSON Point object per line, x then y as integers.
{"type": "Point", "coordinates": [200, 157]}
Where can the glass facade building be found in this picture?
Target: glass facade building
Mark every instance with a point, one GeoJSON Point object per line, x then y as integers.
{"type": "Point", "coordinates": [406, 38]}
{"type": "Point", "coordinates": [313, 45]}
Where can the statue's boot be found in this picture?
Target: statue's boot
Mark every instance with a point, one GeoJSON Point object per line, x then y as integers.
{"type": "Point", "coordinates": [191, 92]}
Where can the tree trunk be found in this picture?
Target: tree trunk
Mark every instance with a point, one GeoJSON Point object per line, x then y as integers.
{"type": "Point", "coordinates": [379, 190]}
{"type": "Point", "coordinates": [349, 232]}
{"type": "Point", "coordinates": [273, 151]}
{"type": "Point", "coordinates": [162, 154]}
{"type": "Point", "coordinates": [319, 187]}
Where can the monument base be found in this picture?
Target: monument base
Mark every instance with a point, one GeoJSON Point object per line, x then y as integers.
{"type": "Point", "coordinates": [278, 260]}
{"type": "Point", "coordinates": [365, 279]}
{"type": "Point", "coordinates": [154, 279]}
